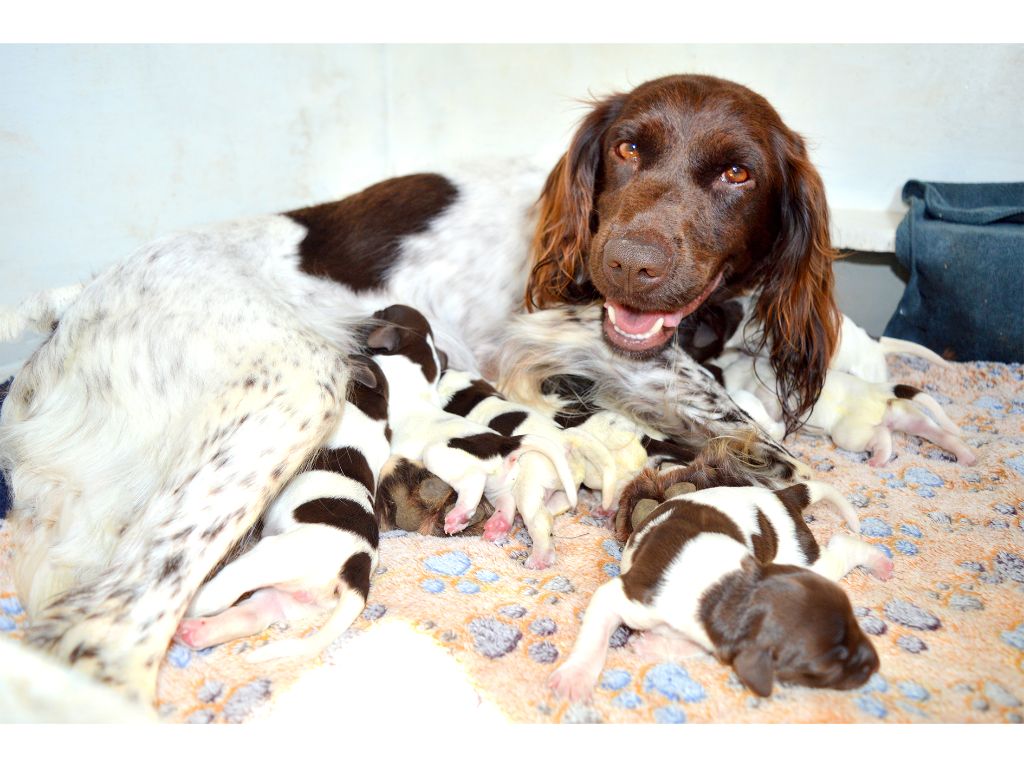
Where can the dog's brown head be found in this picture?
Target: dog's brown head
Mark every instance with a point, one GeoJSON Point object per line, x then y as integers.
{"type": "Point", "coordinates": [787, 624]}
{"type": "Point", "coordinates": [687, 190]}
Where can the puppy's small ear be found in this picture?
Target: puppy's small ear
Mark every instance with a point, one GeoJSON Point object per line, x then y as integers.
{"type": "Point", "coordinates": [386, 339]}
{"type": "Point", "coordinates": [750, 566]}
{"type": "Point", "coordinates": [362, 373]}
{"type": "Point", "coordinates": [754, 668]}
{"type": "Point", "coordinates": [444, 360]}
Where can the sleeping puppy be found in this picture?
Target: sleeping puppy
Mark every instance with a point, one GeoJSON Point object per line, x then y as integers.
{"type": "Point", "coordinates": [537, 489]}
{"type": "Point", "coordinates": [737, 571]}
{"type": "Point", "coordinates": [859, 415]}
{"type": "Point", "coordinates": [319, 539]}
{"type": "Point", "coordinates": [472, 459]}
{"type": "Point", "coordinates": [411, 498]}
{"type": "Point", "coordinates": [861, 355]}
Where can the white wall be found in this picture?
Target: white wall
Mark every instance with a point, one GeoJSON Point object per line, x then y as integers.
{"type": "Point", "coordinates": [105, 147]}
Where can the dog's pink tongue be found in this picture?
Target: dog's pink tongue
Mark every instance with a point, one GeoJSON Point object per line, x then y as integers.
{"type": "Point", "coordinates": [638, 323]}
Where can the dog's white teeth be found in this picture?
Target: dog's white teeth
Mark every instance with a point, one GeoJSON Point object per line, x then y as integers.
{"type": "Point", "coordinates": [640, 336]}
{"type": "Point", "coordinates": [611, 315]}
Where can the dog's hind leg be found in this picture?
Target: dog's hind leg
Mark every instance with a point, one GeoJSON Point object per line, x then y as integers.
{"type": "Point", "coordinates": [117, 625]}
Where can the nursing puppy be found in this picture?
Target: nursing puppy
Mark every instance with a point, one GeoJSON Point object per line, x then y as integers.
{"type": "Point", "coordinates": [319, 539]}
{"type": "Point", "coordinates": [859, 415]}
{"type": "Point", "coordinates": [473, 459]}
{"type": "Point", "coordinates": [537, 489]}
{"type": "Point", "coordinates": [737, 571]}
{"type": "Point", "coordinates": [636, 446]}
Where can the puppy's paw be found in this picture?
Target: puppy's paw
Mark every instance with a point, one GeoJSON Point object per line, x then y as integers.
{"type": "Point", "coordinates": [495, 528]}
{"type": "Point", "coordinates": [540, 560]}
{"type": "Point", "coordinates": [456, 520]}
{"type": "Point", "coordinates": [193, 632]}
{"type": "Point", "coordinates": [881, 567]}
{"type": "Point", "coordinates": [574, 682]}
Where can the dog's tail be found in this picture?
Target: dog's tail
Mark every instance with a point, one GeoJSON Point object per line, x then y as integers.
{"type": "Point", "coordinates": [822, 491]}
{"type": "Point", "coordinates": [39, 313]}
{"type": "Point", "coordinates": [899, 346]}
{"type": "Point", "coordinates": [354, 586]}
{"type": "Point", "coordinates": [596, 454]}
{"type": "Point", "coordinates": [556, 454]}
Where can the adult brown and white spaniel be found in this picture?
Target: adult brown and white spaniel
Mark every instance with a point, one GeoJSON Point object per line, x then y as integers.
{"type": "Point", "coordinates": [182, 388]}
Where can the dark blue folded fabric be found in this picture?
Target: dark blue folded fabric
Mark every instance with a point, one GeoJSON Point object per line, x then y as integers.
{"type": "Point", "coordinates": [5, 495]}
{"type": "Point", "coordinates": [963, 245]}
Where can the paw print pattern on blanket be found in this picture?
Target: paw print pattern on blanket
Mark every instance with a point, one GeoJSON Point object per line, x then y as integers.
{"type": "Point", "coordinates": [948, 627]}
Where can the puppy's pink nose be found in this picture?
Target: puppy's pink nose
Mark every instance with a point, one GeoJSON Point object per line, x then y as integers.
{"type": "Point", "coordinates": [634, 265]}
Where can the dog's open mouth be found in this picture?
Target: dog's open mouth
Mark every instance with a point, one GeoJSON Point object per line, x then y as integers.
{"type": "Point", "coordinates": [639, 331]}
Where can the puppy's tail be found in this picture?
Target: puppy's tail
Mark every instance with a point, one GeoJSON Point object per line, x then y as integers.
{"type": "Point", "coordinates": [353, 589]}
{"type": "Point", "coordinates": [899, 346]}
{"type": "Point", "coordinates": [39, 313]}
{"type": "Point", "coordinates": [821, 491]}
{"type": "Point", "coordinates": [596, 454]}
{"type": "Point", "coordinates": [556, 454]}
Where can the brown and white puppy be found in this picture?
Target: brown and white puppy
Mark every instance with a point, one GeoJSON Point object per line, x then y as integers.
{"type": "Point", "coordinates": [737, 571]}
{"type": "Point", "coordinates": [319, 539]}
{"type": "Point", "coordinates": [471, 458]}
{"type": "Point", "coordinates": [411, 498]}
{"type": "Point", "coordinates": [538, 488]}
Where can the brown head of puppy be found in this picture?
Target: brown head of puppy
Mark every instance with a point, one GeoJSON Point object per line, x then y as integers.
{"type": "Point", "coordinates": [404, 331]}
{"type": "Point", "coordinates": [779, 623]}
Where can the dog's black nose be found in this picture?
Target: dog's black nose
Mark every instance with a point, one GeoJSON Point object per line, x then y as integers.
{"type": "Point", "coordinates": [634, 265]}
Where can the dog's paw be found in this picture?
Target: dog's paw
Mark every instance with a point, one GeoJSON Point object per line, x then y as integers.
{"type": "Point", "coordinates": [574, 682]}
{"type": "Point", "coordinates": [194, 633]}
{"type": "Point", "coordinates": [881, 567]}
{"type": "Point", "coordinates": [540, 560]}
{"type": "Point", "coordinates": [456, 520]}
{"type": "Point", "coordinates": [496, 528]}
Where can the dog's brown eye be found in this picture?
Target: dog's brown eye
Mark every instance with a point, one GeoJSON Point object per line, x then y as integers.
{"type": "Point", "coordinates": [736, 175]}
{"type": "Point", "coordinates": [627, 150]}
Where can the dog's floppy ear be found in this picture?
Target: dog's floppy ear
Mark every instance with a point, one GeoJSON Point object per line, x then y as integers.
{"type": "Point", "coordinates": [563, 233]}
{"type": "Point", "coordinates": [796, 306]}
{"type": "Point", "coordinates": [754, 668]}
{"type": "Point", "coordinates": [385, 338]}
{"type": "Point", "coordinates": [362, 373]}
{"type": "Point", "coordinates": [443, 358]}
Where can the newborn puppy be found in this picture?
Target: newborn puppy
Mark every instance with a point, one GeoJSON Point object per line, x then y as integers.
{"type": "Point", "coordinates": [633, 446]}
{"type": "Point", "coordinates": [861, 355]}
{"type": "Point", "coordinates": [411, 498]}
{"type": "Point", "coordinates": [737, 571]}
{"type": "Point", "coordinates": [537, 489]}
{"type": "Point", "coordinates": [858, 415]}
{"type": "Point", "coordinates": [472, 458]}
{"type": "Point", "coordinates": [319, 539]}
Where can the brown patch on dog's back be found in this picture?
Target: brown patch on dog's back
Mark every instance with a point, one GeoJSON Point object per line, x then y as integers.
{"type": "Point", "coordinates": [796, 498]}
{"type": "Point", "coordinates": [355, 241]}
{"type": "Point", "coordinates": [656, 550]}
{"type": "Point", "coordinates": [486, 445]}
{"type": "Point", "coordinates": [506, 423]}
{"type": "Point", "coordinates": [905, 391]}
{"type": "Point", "coordinates": [464, 400]}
